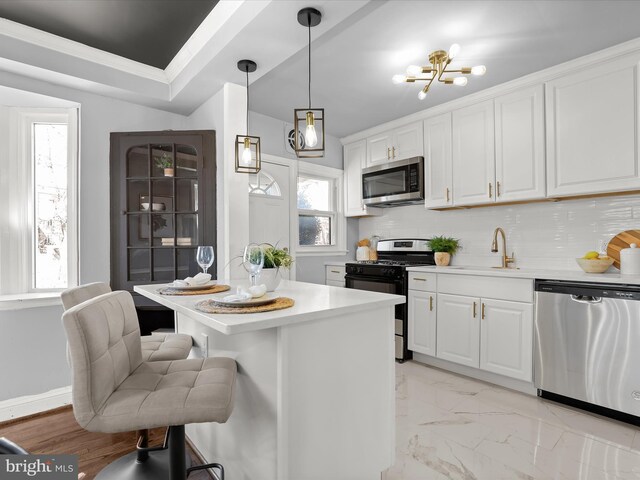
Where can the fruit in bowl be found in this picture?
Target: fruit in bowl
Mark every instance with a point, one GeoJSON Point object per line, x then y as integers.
{"type": "Point", "coordinates": [593, 262]}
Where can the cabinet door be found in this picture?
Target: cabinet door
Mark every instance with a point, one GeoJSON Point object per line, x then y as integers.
{"type": "Point", "coordinates": [407, 142]}
{"type": "Point", "coordinates": [520, 168]}
{"type": "Point", "coordinates": [379, 148]}
{"type": "Point", "coordinates": [473, 154]}
{"type": "Point", "coordinates": [422, 322]}
{"type": "Point", "coordinates": [458, 332]}
{"type": "Point", "coordinates": [354, 161]}
{"type": "Point", "coordinates": [592, 128]}
{"type": "Point", "coordinates": [506, 342]}
{"type": "Point", "coordinates": [438, 162]}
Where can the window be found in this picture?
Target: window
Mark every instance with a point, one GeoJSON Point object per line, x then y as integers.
{"type": "Point", "coordinates": [262, 183]}
{"type": "Point", "coordinates": [321, 224]}
{"type": "Point", "coordinates": [38, 243]}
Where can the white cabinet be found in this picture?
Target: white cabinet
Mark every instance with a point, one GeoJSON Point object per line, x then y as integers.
{"type": "Point", "coordinates": [438, 161]}
{"type": "Point", "coordinates": [398, 144]}
{"type": "Point", "coordinates": [334, 275]}
{"type": "Point", "coordinates": [519, 138]}
{"type": "Point", "coordinates": [458, 329]}
{"type": "Point", "coordinates": [422, 322]}
{"type": "Point", "coordinates": [592, 129]}
{"type": "Point", "coordinates": [506, 338]}
{"type": "Point", "coordinates": [354, 161]}
{"type": "Point", "coordinates": [474, 154]}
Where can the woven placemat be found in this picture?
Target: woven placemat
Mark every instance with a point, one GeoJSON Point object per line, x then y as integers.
{"type": "Point", "coordinates": [206, 291]}
{"type": "Point", "coordinates": [210, 306]}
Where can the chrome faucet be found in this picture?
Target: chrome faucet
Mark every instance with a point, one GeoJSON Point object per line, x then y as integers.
{"type": "Point", "coordinates": [506, 260]}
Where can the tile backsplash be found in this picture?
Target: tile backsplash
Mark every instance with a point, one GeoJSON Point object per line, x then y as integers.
{"type": "Point", "coordinates": [542, 235]}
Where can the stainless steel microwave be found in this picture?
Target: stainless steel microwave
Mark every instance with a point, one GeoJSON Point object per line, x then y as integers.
{"type": "Point", "coordinates": [394, 184]}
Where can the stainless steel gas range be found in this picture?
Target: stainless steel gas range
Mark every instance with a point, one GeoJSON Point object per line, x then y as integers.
{"type": "Point", "coordinates": [389, 275]}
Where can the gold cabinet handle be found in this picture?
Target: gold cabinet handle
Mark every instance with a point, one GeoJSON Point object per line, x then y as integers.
{"type": "Point", "coordinates": [388, 153]}
{"type": "Point", "coordinates": [474, 310]}
{"type": "Point", "coordinates": [393, 152]}
{"type": "Point", "coordinates": [482, 310]}
{"type": "Point", "coordinates": [430, 303]}
{"type": "Point", "coordinates": [420, 279]}
{"type": "Point", "coordinates": [497, 189]}
{"type": "Point", "coordinates": [335, 271]}
{"type": "Point", "coordinates": [447, 193]}
{"type": "Point", "coordinates": [490, 186]}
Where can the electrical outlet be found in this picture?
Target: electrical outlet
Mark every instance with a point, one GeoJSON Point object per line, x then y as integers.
{"type": "Point", "coordinates": [204, 348]}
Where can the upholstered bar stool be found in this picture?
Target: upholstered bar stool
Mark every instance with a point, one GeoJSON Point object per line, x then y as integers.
{"type": "Point", "coordinates": [157, 346]}
{"type": "Point", "coordinates": [115, 391]}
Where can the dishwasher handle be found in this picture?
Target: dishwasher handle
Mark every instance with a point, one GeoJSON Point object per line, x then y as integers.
{"type": "Point", "coordinates": [588, 299]}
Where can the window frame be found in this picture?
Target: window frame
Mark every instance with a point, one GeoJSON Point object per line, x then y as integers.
{"type": "Point", "coordinates": [338, 220]}
{"type": "Point", "coordinates": [17, 238]}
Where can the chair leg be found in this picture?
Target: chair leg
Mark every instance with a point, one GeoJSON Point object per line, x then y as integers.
{"type": "Point", "coordinates": [208, 465]}
{"type": "Point", "coordinates": [177, 463]}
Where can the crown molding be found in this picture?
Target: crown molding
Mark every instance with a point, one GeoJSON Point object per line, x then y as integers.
{"type": "Point", "coordinates": [632, 47]}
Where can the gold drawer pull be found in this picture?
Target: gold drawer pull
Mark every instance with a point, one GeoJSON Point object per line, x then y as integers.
{"type": "Point", "coordinates": [335, 271]}
{"type": "Point", "coordinates": [420, 279]}
{"type": "Point", "coordinates": [490, 186]}
{"type": "Point", "coordinates": [482, 310]}
{"type": "Point", "coordinates": [474, 310]}
{"type": "Point", "coordinates": [393, 152]}
{"type": "Point", "coordinates": [447, 190]}
{"type": "Point", "coordinates": [498, 189]}
{"type": "Point", "coordinates": [430, 303]}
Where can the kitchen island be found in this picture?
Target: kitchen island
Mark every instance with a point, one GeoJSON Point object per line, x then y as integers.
{"type": "Point", "coordinates": [315, 389]}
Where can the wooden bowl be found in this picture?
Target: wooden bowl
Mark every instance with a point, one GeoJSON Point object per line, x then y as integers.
{"type": "Point", "coordinates": [598, 265]}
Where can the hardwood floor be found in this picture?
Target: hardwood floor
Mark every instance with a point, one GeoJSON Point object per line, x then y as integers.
{"type": "Point", "coordinates": [57, 431]}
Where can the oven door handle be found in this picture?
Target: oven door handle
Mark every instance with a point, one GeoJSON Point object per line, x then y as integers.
{"type": "Point", "coordinates": [372, 278]}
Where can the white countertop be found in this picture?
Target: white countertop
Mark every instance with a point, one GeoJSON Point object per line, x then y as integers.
{"type": "Point", "coordinates": [567, 275]}
{"type": "Point", "coordinates": [313, 302]}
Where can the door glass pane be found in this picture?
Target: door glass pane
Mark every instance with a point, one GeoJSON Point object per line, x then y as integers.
{"type": "Point", "coordinates": [163, 165]}
{"type": "Point", "coordinates": [186, 161]}
{"type": "Point", "coordinates": [138, 230]}
{"type": "Point", "coordinates": [314, 230]}
{"type": "Point", "coordinates": [137, 195]}
{"type": "Point", "coordinates": [162, 191]}
{"type": "Point", "coordinates": [187, 265]}
{"type": "Point", "coordinates": [186, 195]}
{"type": "Point", "coordinates": [50, 188]}
{"type": "Point", "coordinates": [314, 193]}
{"type": "Point", "coordinates": [139, 265]}
{"type": "Point", "coordinates": [138, 161]}
{"type": "Point", "coordinates": [162, 226]}
{"type": "Point", "coordinates": [163, 265]}
{"type": "Point", "coordinates": [187, 229]}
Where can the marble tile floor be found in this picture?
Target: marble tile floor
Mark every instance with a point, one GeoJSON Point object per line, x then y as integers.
{"type": "Point", "coordinates": [453, 427]}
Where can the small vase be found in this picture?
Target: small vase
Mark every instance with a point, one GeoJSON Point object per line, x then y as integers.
{"type": "Point", "coordinates": [270, 277]}
{"type": "Point", "coordinates": [168, 172]}
{"type": "Point", "coordinates": [442, 258]}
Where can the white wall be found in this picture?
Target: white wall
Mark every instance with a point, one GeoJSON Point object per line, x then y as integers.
{"type": "Point", "coordinates": [542, 235]}
{"type": "Point", "coordinates": [272, 140]}
{"type": "Point", "coordinates": [32, 342]}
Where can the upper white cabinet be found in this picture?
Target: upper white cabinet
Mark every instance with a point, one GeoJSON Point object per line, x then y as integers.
{"type": "Point", "coordinates": [438, 161]}
{"type": "Point", "coordinates": [398, 144]}
{"type": "Point", "coordinates": [474, 154]}
{"type": "Point", "coordinates": [354, 162]}
{"type": "Point", "coordinates": [592, 129]}
{"type": "Point", "coordinates": [519, 136]}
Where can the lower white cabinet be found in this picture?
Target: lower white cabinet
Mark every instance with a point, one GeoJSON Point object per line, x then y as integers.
{"type": "Point", "coordinates": [458, 329]}
{"type": "Point", "coordinates": [506, 338]}
{"type": "Point", "coordinates": [422, 322]}
{"type": "Point", "coordinates": [334, 275]}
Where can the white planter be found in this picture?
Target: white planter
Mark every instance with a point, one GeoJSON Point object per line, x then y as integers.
{"type": "Point", "coordinates": [270, 277]}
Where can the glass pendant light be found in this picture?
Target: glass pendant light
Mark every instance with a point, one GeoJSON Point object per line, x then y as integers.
{"type": "Point", "coordinates": [247, 146]}
{"type": "Point", "coordinates": [309, 121]}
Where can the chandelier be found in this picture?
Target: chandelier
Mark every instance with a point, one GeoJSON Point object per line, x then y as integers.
{"type": "Point", "coordinates": [439, 62]}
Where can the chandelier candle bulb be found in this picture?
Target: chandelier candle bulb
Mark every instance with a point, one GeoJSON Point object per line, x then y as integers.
{"type": "Point", "coordinates": [479, 70]}
{"type": "Point", "coordinates": [454, 50]}
{"type": "Point", "coordinates": [414, 70]}
{"type": "Point", "coordinates": [460, 81]}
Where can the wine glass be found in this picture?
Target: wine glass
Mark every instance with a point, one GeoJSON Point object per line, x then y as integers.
{"type": "Point", "coordinates": [205, 257]}
{"type": "Point", "coordinates": [253, 260]}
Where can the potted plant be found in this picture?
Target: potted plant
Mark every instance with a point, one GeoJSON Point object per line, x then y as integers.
{"type": "Point", "coordinates": [274, 259]}
{"type": "Point", "coordinates": [444, 247]}
{"type": "Point", "coordinates": [165, 162]}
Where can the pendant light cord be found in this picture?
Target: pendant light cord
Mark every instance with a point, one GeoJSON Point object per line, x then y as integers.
{"type": "Point", "coordinates": [309, 22]}
{"type": "Point", "coordinates": [247, 72]}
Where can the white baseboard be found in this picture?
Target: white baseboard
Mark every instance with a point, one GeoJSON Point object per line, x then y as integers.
{"type": "Point", "coordinates": [32, 404]}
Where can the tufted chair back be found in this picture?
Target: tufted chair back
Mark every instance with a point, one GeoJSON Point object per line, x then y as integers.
{"type": "Point", "coordinates": [104, 342]}
{"type": "Point", "coordinates": [76, 295]}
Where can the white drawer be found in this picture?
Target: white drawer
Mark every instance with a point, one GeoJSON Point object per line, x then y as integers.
{"type": "Point", "coordinates": [335, 274]}
{"type": "Point", "coordinates": [514, 289]}
{"type": "Point", "coordinates": [333, 283]}
{"type": "Point", "coordinates": [425, 282]}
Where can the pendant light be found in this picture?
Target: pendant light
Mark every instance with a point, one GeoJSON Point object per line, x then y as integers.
{"type": "Point", "coordinates": [247, 146]}
{"type": "Point", "coordinates": [309, 122]}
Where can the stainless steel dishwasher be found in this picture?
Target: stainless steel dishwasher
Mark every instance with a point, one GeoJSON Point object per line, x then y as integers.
{"type": "Point", "coordinates": [587, 345]}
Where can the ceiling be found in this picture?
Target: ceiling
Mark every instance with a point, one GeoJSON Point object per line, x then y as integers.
{"type": "Point", "coordinates": [357, 48]}
{"type": "Point", "coordinates": [147, 31]}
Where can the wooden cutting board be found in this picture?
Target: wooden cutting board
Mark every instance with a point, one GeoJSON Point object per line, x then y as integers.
{"type": "Point", "coordinates": [620, 241]}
